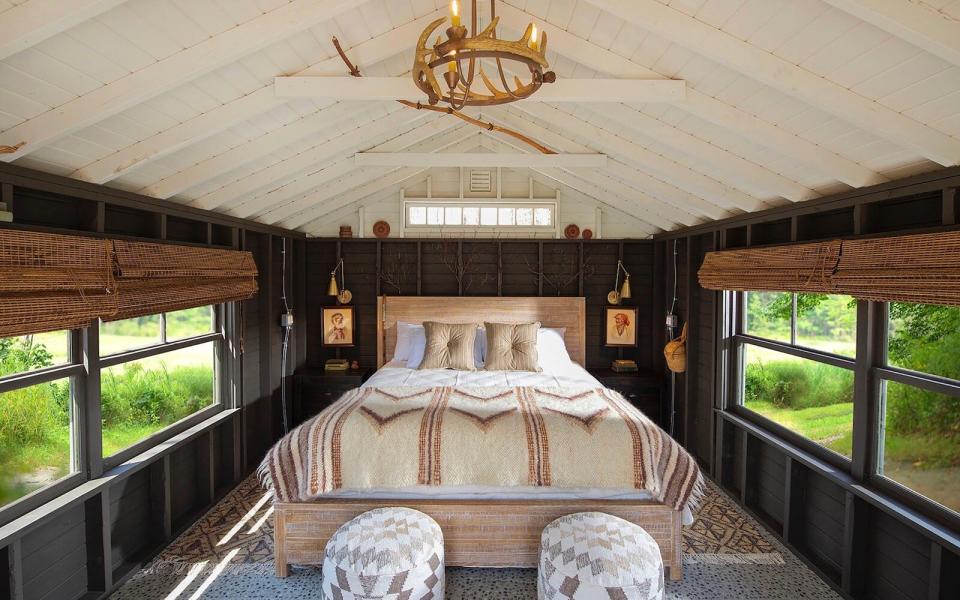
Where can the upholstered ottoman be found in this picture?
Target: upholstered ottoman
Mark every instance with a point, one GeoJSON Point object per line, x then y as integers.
{"type": "Point", "coordinates": [598, 556]}
{"type": "Point", "coordinates": [388, 553]}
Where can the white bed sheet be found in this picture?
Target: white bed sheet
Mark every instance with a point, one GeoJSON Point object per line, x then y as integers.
{"type": "Point", "coordinates": [396, 373]}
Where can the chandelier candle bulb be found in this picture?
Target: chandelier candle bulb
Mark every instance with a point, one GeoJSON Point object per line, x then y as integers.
{"type": "Point", "coordinates": [455, 13]}
{"type": "Point", "coordinates": [534, 43]}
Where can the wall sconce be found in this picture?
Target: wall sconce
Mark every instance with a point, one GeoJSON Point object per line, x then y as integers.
{"type": "Point", "coordinates": [620, 293]}
{"type": "Point", "coordinates": [344, 296]}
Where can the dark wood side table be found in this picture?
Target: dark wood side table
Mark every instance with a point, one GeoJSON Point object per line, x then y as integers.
{"type": "Point", "coordinates": [316, 389]}
{"type": "Point", "coordinates": [644, 389]}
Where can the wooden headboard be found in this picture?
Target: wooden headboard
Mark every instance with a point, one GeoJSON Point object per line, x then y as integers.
{"type": "Point", "coordinates": [551, 312]}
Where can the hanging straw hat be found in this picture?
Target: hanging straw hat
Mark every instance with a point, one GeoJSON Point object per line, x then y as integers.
{"type": "Point", "coordinates": [676, 352]}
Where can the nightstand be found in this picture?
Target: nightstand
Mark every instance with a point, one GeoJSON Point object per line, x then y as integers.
{"type": "Point", "coordinates": [644, 389]}
{"type": "Point", "coordinates": [316, 389]}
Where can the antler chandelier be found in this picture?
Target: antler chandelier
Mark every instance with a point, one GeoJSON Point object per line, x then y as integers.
{"type": "Point", "coordinates": [460, 55]}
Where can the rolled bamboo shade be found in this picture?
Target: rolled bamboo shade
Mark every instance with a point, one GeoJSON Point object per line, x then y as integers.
{"type": "Point", "coordinates": [923, 268]}
{"type": "Point", "coordinates": [796, 268]}
{"type": "Point", "coordinates": [51, 282]}
{"type": "Point", "coordinates": [154, 278]}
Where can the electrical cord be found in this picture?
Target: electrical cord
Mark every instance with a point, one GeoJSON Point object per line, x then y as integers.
{"type": "Point", "coordinates": [287, 330]}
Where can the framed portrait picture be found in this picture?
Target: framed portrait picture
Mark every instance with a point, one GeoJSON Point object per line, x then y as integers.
{"type": "Point", "coordinates": [339, 326]}
{"type": "Point", "coordinates": [621, 326]}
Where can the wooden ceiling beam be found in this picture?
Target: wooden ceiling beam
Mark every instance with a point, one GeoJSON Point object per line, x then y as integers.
{"type": "Point", "coordinates": [786, 77]}
{"type": "Point", "coordinates": [214, 52]}
{"type": "Point", "coordinates": [29, 23]}
{"type": "Point", "coordinates": [563, 90]}
{"type": "Point", "coordinates": [708, 108]}
{"type": "Point", "coordinates": [511, 160]}
{"type": "Point", "coordinates": [920, 24]}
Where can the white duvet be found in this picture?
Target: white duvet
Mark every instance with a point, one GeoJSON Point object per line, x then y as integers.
{"type": "Point", "coordinates": [396, 373]}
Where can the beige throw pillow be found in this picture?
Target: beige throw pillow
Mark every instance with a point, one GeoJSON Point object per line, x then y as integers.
{"type": "Point", "coordinates": [449, 346]}
{"type": "Point", "coordinates": [512, 347]}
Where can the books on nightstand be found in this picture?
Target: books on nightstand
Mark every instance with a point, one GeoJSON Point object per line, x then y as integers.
{"type": "Point", "coordinates": [624, 366]}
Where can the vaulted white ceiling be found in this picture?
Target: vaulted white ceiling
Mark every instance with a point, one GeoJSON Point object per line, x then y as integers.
{"type": "Point", "coordinates": [786, 100]}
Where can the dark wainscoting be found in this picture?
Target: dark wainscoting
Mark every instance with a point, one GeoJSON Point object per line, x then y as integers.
{"type": "Point", "coordinates": [518, 267]}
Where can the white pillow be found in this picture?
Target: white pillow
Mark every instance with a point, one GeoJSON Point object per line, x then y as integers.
{"type": "Point", "coordinates": [552, 353]}
{"type": "Point", "coordinates": [417, 346]}
{"type": "Point", "coordinates": [405, 332]}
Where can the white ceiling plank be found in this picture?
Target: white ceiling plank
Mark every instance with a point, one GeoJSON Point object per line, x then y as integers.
{"type": "Point", "coordinates": [245, 189]}
{"type": "Point", "coordinates": [166, 74]}
{"type": "Point", "coordinates": [250, 151]}
{"type": "Point", "coordinates": [218, 119]}
{"type": "Point", "coordinates": [782, 75]}
{"type": "Point", "coordinates": [563, 90]}
{"type": "Point", "coordinates": [729, 166]}
{"type": "Point", "coordinates": [328, 202]}
{"type": "Point", "coordinates": [31, 22]}
{"type": "Point", "coordinates": [657, 188]}
{"type": "Point", "coordinates": [632, 153]}
{"type": "Point", "coordinates": [916, 22]}
{"type": "Point", "coordinates": [706, 107]}
{"type": "Point", "coordinates": [424, 159]}
{"type": "Point", "coordinates": [278, 200]}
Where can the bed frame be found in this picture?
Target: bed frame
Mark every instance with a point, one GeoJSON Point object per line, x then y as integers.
{"type": "Point", "coordinates": [488, 533]}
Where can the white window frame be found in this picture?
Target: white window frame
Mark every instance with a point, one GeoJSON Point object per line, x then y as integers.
{"type": "Point", "coordinates": [444, 203]}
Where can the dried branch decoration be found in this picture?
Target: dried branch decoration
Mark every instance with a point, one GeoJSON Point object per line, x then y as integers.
{"type": "Point", "coordinates": [559, 281]}
{"type": "Point", "coordinates": [395, 273]}
{"type": "Point", "coordinates": [464, 270]}
{"type": "Point", "coordinates": [355, 72]}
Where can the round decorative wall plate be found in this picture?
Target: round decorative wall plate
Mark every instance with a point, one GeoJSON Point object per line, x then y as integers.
{"type": "Point", "coordinates": [572, 231]}
{"type": "Point", "coordinates": [381, 229]}
{"type": "Point", "coordinates": [587, 234]}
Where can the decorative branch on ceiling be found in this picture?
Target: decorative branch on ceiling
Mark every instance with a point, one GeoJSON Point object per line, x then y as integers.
{"type": "Point", "coordinates": [355, 71]}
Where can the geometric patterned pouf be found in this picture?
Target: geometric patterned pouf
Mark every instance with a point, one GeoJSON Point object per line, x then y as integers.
{"type": "Point", "coordinates": [387, 553]}
{"type": "Point", "coordinates": [593, 555]}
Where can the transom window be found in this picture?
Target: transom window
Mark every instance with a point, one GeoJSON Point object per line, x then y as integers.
{"type": "Point", "coordinates": [479, 214]}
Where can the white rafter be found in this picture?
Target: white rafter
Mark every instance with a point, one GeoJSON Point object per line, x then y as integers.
{"type": "Point", "coordinates": [563, 90]}
{"type": "Point", "coordinates": [705, 107]}
{"type": "Point", "coordinates": [425, 159]}
{"type": "Point", "coordinates": [782, 75]}
{"type": "Point", "coordinates": [920, 24]}
{"type": "Point", "coordinates": [166, 74]}
{"type": "Point", "coordinates": [236, 111]}
{"type": "Point", "coordinates": [33, 21]}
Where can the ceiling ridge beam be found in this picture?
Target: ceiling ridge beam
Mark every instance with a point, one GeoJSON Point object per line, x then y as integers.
{"type": "Point", "coordinates": [632, 153]}
{"type": "Point", "coordinates": [322, 204]}
{"type": "Point", "coordinates": [294, 188]}
{"type": "Point", "coordinates": [514, 159]}
{"type": "Point", "coordinates": [222, 117]}
{"type": "Point", "coordinates": [782, 75]}
{"type": "Point", "coordinates": [253, 184]}
{"type": "Point", "coordinates": [708, 108]}
{"type": "Point", "coordinates": [920, 24]}
{"type": "Point", "coordinates": [26, 25]}
{"type": "Point", "coordinates": [170, 72]}
{"type": "Point", "coordinates": [662, 190]}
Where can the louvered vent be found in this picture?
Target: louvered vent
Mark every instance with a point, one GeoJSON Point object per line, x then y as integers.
{"type": "Point", "coordinates": [480, 181]}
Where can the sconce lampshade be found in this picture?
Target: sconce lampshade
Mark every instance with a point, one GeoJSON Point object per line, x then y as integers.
{"type": "Point", "coordinates": [333, 289]}
{"type": "Point", "coordinates": [625, 293]}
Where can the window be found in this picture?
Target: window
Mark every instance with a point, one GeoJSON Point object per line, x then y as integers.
{"type": "Point", "coordinates": [920, 434]}
{"type": "Point", "coordinates": [797, 369]}
{"type": "Point", "coordinates": [448, 214]}
{"type": "Point", "coordinates": [36, 444]}
{"type": "Point", "coordinates": [170, 376]}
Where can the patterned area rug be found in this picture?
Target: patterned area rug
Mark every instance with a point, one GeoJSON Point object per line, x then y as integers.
{"type": "Point", "coordinates": [238, 531]}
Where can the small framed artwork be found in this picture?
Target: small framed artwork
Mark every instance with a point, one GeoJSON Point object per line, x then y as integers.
{"type": "Point", "coordinates": [621, 326]}
{"type": "Point", "coordinates": [339, 326]}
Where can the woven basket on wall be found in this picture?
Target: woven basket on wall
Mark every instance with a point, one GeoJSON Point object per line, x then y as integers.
{"type": "Point", "coordinates": [676, 352]}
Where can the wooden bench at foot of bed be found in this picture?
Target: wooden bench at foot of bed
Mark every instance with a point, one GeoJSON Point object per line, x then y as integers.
{"type": "Point", "coordinates": [495, 533]}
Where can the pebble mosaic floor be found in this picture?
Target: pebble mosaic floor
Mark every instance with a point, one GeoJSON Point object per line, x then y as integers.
{"type": "Point", "coordinates": [228, 554]}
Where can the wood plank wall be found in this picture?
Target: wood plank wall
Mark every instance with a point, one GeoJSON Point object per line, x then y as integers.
{"type": "Point", "coordinates": [490, 268]}
{"type": "Point", "coordinates": [105, 532]}
{"type": "Point", "coordinates": [865, 544]}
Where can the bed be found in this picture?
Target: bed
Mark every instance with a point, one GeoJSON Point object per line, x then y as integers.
{"type": "Point", "coordinates": [489, 518]}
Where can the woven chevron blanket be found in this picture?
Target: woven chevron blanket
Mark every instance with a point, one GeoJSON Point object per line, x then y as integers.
{"type": "Point", "coordinates": [522, 436]}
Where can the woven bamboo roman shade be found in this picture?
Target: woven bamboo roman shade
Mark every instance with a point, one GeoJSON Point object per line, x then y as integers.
{"type": "Point", "coordinates": [153, 278]}
{"type": "Point", "coordinates": [52, 282]}
{"type": "Point", "coordinates": [923, 268]}
{"type": "Point", "coordinates": [797, 268]}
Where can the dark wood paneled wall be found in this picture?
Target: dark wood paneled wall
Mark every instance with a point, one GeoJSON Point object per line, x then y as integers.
{"type": "Point", "coordinates": [480, 268]}
{"type": "Point", "coordinates": [109, 527]}
{"type": "Point", "coordinates": [866, 544]}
